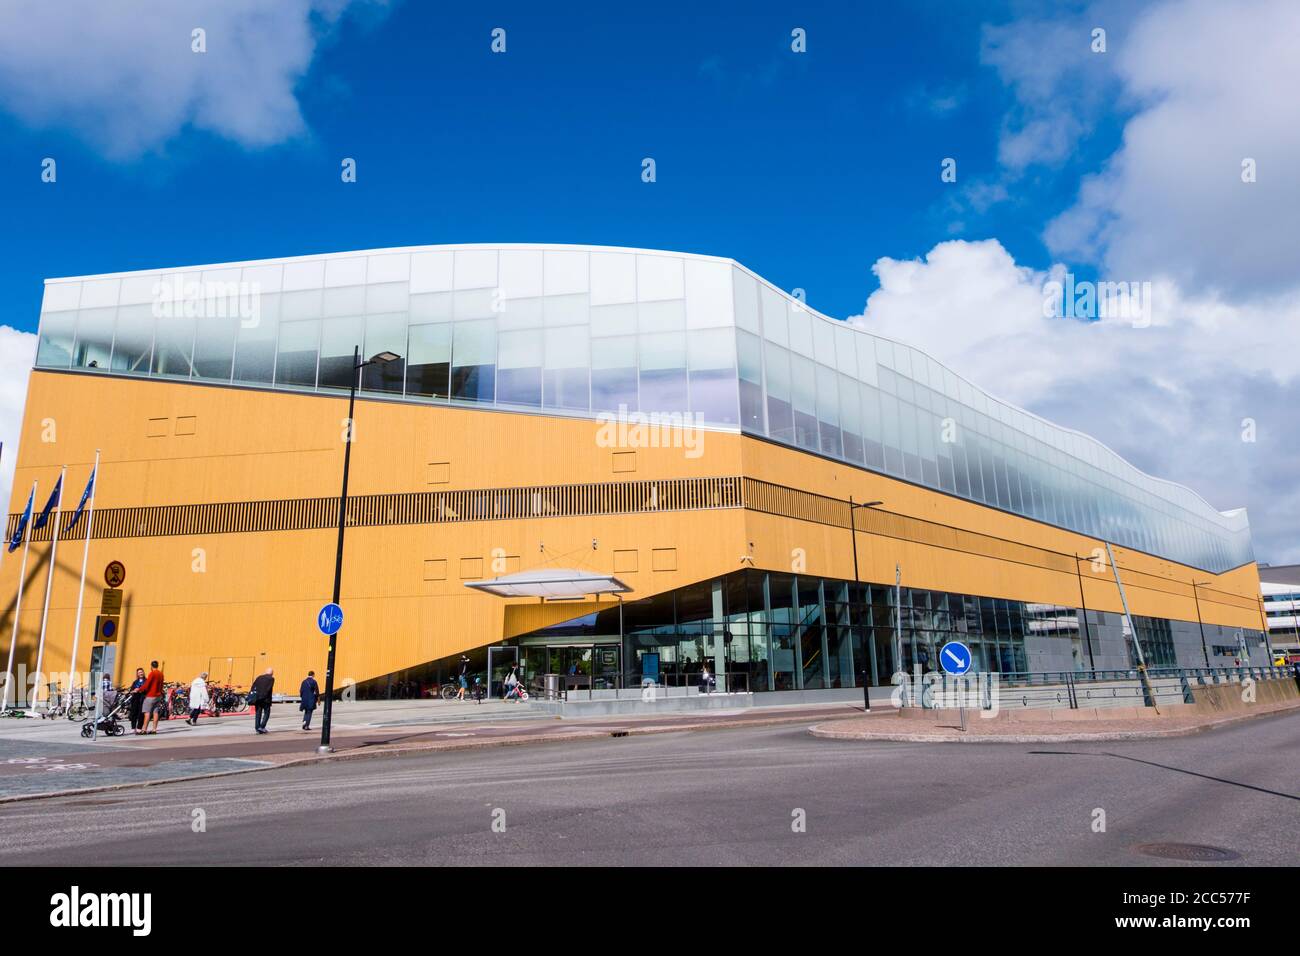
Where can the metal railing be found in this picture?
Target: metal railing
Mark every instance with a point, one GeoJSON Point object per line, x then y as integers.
{"type": "Point", "coordinates": [1095, 688]}
{"type": "Point", "coordinates": [669, 684]}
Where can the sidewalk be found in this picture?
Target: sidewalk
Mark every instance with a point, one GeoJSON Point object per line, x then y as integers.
{"type": "Point", "coordinates": [943, 727]}
{"type": "Point", "coordinates": [48, 757]}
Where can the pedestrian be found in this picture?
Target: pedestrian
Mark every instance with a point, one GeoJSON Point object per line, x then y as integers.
{"type": "Point", "coordinates": [511, 683]}
{"type": "Point", "coordinates": [259, 695]}
{"type": "Point", "coordinates": [152, 691]}
{"type": "Point", "coordinates": [198, 698]}
{"type": "Point", "coordinates": [307, 696]}
{"type": "Point", "coordinates": [464, 677]}
{"type": "Point", "coordinates": [706, 679]}
{"type": "Point", "coordinates": [137, 700]}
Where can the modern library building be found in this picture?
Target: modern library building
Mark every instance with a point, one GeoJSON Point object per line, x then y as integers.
{"type": "Point", "coordinates": [615, 464]}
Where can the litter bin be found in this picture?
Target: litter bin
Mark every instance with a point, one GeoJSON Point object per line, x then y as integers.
{"type": "Point", "coordinates": [553, 686]}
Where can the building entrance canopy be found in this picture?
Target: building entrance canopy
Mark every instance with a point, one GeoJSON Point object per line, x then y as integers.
{"type": "Point", "coordinates": [554, 583]}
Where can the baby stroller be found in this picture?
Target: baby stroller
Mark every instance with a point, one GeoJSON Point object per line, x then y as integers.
{"type": "Point", "coordinates": [111, 722]}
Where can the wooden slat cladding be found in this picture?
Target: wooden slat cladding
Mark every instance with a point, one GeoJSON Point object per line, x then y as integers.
{"type": "Point", "coordinates": [427, 507]}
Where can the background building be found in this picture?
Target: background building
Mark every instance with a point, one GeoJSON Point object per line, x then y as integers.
{"type": "Point", "coordinates": [1280, 587]}
{"type": "Point", "coordinates": [671, 421]}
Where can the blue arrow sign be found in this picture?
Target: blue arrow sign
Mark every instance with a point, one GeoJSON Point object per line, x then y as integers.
{"type": "Point", "coordinates": [955, 658]}
{"type": "Point", "coordinates": [330, 619]}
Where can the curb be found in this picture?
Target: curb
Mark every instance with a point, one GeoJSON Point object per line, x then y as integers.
{"type": "Point", "coordinates": [411, 749]}
{"type": "Point", "coordinates": [819, 730]}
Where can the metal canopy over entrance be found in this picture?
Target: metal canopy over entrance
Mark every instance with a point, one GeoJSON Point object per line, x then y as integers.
{"type": "Point", "coordinates": [556, 584]}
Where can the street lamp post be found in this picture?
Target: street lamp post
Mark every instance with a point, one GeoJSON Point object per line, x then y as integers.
{"type": "Point", "coordinates": [383, 358]}
{"type": "Point", "coordinates": [853, 532]}
{"type": "Point", "coordinates": [1200, 623]}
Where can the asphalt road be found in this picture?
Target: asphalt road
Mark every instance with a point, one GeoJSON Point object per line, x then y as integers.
{"type": "Point", "coordinates": [708, 798]}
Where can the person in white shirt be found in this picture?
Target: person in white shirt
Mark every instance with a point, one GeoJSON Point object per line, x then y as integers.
{"type": "Point", "coordinates": [198, 698]}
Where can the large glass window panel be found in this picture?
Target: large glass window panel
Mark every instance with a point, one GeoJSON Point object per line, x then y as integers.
{"type": "Point", "coordinates": [828, 411]}
{"type": "Point", "coordinates": [348, 300]}
{"type": "Point", "coordinates": [890, 434]}
{"type": "Point", "coordinates": [803, 383]}
{"type": "Point", "coordinates": [520, 314]}
{"type": "Point", "coordinates": [659, 277]}
{"type": "Point", "coordinates": [661, 316]}
{"type": "Point", "coordinates": [867, 366]}
{"type": "Point", "coordinates": [295, 361]}
{"type": "Point", "coordinates": [338, 340]}
{"type": "Point", "coordinates": [708, 294]}
{"type": "Point", "coordinates": [133, 342]}
{"type": "Point", "coordinates": [566, 379]}
{"type": "Point", "coordinates": [801, 333]}
{"type": "Point", "coordinates": [846, 355]}
{"type": "Point", "coordinates": [613, 278]}
{"type": "Point", "coordinates": [57, 331]}
{"type": "Point", "coordinates": [61, 297]}
{"type": "Point", "coordinates": [749, 351]}
{"type": "Point", "coordinates": [94, 338]}
{"type": "Point", "coordinates": [521, 273]}
{"type": "Point", "coordinates": [745, 292]}
{"type": "Point", "coordinates": [613, 319]}
{"type": "Point", "coordinates": [780, 410]}
{"type": "Point", "coordinates": [473, 358]}
{"type": "Point", "coordinates": [907, 425]}
{"type": "Point", "coordinates": [662, 359]}
{"type": "Point", "coordinates": [431, 307]}
{"type": "Point", "coordinates": [824, 342]}
{"type": "Point", "coordinates": [519, 368]}
{"type": "Point", "coordinates": [566, 272]}
{"type": "Point", "coordinates": [173, 346]}
{"type": "Point", "coordinates": [475, 268]}
{"type": "Point", "coordinates": [961, 478]}
{"type": "Point", "coordinates": [566, 310]}
{"type": "Point", "coordinates": [385, 333]}
{"type": "Point", "coordinates": [214, 347]}
{"type": "Point", "coordinates": [776, 326]}
{"type": "Point", "coordinates": [873, 448]}
{"type": "Point", "coordinates": [614, 374]}
{"type": "Point", "coordinates": [851, 419]}
{"type": "Point", "coordinates": [385, 297]}
{"type": "Point", "coordinates": [711, 359]}
{"type": "Point", "coordinates": [428, 367]}
{"type": "Point", "coordinates": [475, 304]}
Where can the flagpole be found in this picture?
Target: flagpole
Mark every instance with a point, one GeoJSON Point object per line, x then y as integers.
{"type": "Point", "coordinates": [18, 604]}
{"type": "Point", "coordinates": [81, 591]}
{"type": "Point", "coordinates": [49, 584]}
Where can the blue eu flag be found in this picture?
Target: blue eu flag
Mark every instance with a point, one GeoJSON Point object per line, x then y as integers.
{"type": "Point", "coordinates": [44, 516]}
{"type": "Point", "coordinates": [85, 496]}
{"type": "Point", "coordinates": [17, 538]}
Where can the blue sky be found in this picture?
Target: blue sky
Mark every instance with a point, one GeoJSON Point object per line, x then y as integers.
{"type": "Point", "coordinates": [819, 170]}
{"type": "Point", "coordinates": [806, 167]}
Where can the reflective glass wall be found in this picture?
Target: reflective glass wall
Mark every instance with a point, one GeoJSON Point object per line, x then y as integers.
{"type": "Point", "coordinates": [591, 331]}
{"type": "Point", "coordinates": [835, 389]}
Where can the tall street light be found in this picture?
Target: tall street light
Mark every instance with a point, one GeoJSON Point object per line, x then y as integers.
{"type": "Point", "coordinates": [853, 532]}
{"type": "Point", "coordinates": [382, 358]}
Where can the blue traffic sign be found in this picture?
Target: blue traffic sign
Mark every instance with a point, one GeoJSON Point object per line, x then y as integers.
{"type": "Point", "coordinates": [330, 619]}
{"type": "Point", "coordinates": [955, 658]}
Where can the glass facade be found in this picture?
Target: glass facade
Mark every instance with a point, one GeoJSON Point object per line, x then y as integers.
{"type": "Point", "coordinates": [586, 331]}
{"type": "Point", "coordinates": [772, 631]}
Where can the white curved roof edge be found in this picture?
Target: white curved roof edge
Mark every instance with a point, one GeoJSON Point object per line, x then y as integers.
{"type": "Point", "coordinates": [565, 247]}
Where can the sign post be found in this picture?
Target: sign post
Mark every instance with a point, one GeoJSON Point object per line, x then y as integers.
{"type": "Point", "coordinates": [956, 659]}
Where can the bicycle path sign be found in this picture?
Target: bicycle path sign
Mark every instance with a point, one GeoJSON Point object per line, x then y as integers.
{"type": "Point", "coordinates": [330, 619]}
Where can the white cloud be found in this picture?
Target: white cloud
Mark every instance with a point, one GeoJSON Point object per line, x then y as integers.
{"type": "Point", "coordinates": [1172, 198]}
{"type": "Point", "coordinates": [1170, 398]}
{"type": "Point", "coordinates": [123, 77]}
{"type": "Point", "coordinates": [17, 353]}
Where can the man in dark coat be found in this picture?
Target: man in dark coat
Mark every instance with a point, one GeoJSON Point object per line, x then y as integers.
{"type": "Point", "coordinates": [261, 694]}
{"type": "Point", "coordinates": [308, 694]}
